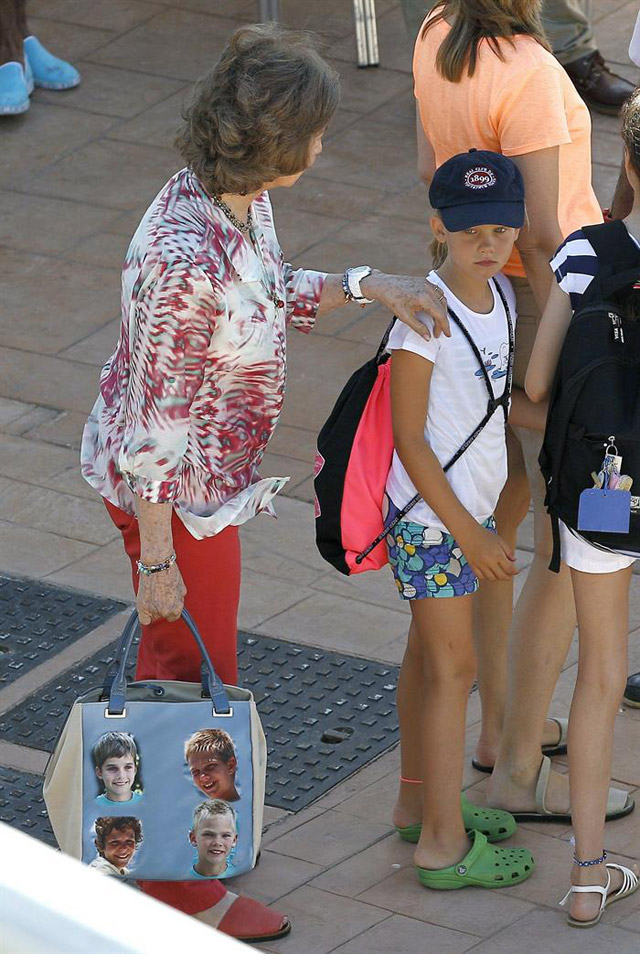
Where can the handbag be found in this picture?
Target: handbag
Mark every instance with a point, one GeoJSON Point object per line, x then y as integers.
{"type": "Point", "coordinates": [160, 780]}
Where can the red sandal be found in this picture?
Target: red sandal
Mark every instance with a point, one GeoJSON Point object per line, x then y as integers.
{"type": "Point", "coordinates": [238, 916]}
{"type": "Point", "coordinates": [248, 920]}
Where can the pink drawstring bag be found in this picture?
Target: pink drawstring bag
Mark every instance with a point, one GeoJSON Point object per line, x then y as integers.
{"type": "Point", "coordinates": [353, 457]}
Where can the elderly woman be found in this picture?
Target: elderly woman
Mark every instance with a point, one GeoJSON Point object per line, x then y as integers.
{"type": "Point", "coordinates": [191, 396]}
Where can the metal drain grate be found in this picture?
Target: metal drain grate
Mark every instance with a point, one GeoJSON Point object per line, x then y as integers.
{"type": "Point", "coordinates": [38, 620]}
{"type": "Point", "coordinates": [22, 806]}
{"type": "Point", "coordinates": [325, 715]}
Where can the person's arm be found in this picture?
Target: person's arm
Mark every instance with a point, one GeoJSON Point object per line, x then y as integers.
{"type": "Point", "coordinates": [169, 343]}
{"type": "Point", "coordinates": [489, 556]}
{"type": "Point", "coordinates": [540, 236]}
{"type": "Point", "coordinates": [426, 155]}
{"type": "Point", "coordinates": [160, 595]}
{"type": "Point", "coordinates": [405, 295]}
{"type": "Point", "coordinates": [548, 344]}
{"type": "Point", "coordinates": [524, 413]}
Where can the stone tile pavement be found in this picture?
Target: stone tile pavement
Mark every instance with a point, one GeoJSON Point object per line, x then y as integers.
{"type": "Point", "coordinates": [76, 172]}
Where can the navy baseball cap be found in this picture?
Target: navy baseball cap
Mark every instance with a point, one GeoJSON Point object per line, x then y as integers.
{"type": "Point", "coordinates": [478, 188]}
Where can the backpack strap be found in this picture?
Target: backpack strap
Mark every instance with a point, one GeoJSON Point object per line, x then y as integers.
{"type": "Point", "coordinates": [382, 347]}
{"type": "Point", "coordinates": [556, 553]}
{"type": "Point", "coordinates": [612, 244]}
{"type": "Point", "coordinates": [618, 259]}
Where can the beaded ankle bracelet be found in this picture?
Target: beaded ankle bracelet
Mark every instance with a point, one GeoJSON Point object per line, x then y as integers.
{"type": "Point", "coordinates": [589, 864]}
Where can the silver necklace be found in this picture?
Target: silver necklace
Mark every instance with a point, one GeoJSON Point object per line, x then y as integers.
{"type": "Point", "coordinates": [243, 227]}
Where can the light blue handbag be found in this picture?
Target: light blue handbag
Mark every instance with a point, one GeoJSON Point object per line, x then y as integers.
{"type": "Point", "coordinates": [160, 780]}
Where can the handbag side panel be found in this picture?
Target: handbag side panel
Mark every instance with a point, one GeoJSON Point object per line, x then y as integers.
{"type": "Point", "coordinates": [63, 789]}
{"type": "Point", "coordinates": [259, 758]}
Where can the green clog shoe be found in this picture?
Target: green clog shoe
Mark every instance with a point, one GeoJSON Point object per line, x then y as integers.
{"type": "Point", "coordinates": [483, 867]}
{"type": "Point", "coordinates": [494, 823]}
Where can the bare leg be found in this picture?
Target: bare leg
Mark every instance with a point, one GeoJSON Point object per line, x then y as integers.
{"type": "Point", "coordinates": [494, 614]}
{"type": "Point", "coordinates": [410, 697]}
{"type": "Point", "coordinates": [494, 609]}
{"type": "Point", "coordinates": [442, 645]}
{"type": "Point", "coordinates": [543, 625]}
{"type": "Point", "coordinates": [10, 35]}
{"type": "Point", "coordinates": [602, 600]}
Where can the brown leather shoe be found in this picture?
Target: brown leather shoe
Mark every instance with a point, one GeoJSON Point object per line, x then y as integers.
{"type": "Point", "coordinates": [601, 89]}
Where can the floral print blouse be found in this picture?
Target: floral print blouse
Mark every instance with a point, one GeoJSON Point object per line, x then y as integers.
{"type": "Point", "coordinates": [193, 391]}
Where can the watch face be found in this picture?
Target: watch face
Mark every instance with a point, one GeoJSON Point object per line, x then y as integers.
{"type": "Point", "coordinates": [355, 276]}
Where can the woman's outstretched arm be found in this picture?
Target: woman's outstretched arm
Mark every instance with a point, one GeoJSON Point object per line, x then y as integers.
{"type": "Point", "coordinates": [405, 295]}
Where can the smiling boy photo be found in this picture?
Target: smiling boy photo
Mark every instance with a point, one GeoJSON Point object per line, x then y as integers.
{"type": "Point", "coordinates": [116, 841]}
{"type": "Point", "coordinates": [214, 834]}
{"type": "Point", "coordinates": [116, 762]}
{"type": "Point", "coordinates": [211, 757]}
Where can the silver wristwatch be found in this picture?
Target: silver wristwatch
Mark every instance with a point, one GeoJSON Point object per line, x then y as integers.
{"type": "Point", "coordinates": [351, 284]}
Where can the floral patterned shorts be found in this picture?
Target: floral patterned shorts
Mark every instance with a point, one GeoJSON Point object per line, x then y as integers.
{"type": "Point", "coordinates": [427, 562]}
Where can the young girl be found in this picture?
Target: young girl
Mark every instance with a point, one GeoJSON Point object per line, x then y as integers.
{"type": "Point", "coordinates": [601, 581]}
{"type": "Point", "coordinates": [447, 541]}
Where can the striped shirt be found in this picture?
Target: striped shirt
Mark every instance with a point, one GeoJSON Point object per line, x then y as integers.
{"type": "Point", "coordinates": [575, 265]}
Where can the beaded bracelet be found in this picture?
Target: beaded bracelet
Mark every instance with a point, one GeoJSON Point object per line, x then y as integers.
{"type": "Point", "coordinates": [594, 861]}
{"type": "Point", "coordinates": [147, 569]}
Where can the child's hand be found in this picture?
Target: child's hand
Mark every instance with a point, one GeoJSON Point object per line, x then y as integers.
{"type": "Point", "coordinates": [488, 555]}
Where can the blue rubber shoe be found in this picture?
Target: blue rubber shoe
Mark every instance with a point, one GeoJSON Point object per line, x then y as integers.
{"type": "Point", "coordinates": [14, 95]}
{"type": "Point", "coordinates": [48, 71]}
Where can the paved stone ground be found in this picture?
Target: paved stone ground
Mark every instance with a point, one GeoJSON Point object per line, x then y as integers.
{"type": "Point", "coordinates": [77, 171]}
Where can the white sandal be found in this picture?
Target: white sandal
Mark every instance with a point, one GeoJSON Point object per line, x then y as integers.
{"type": "Point", "coordinates": [630, 883]}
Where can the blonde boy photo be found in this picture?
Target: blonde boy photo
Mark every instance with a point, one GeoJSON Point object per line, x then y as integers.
{"type": "Point", "coordinates": [214, 835]}
{"type": "Point", "coordinates": [211, 757]}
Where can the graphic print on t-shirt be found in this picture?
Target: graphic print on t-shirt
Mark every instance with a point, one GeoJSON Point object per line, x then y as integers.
{"type": "Point", "coordinates": [496, 362]}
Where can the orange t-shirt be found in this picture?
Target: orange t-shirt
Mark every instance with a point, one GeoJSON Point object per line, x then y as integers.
{"type": "Point", "coordinates": [514, 105]}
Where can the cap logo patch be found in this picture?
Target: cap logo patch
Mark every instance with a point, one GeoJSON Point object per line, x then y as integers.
{"type": "Point", "coordinates": [479, 178]}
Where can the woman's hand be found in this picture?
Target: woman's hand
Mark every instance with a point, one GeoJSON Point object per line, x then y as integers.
{"type": "Point", "coordinates": [408, 298]}
{"type": "Point", "coordinates": [161, 596]}
{"type": "Point", "coordinates": [488, 555]}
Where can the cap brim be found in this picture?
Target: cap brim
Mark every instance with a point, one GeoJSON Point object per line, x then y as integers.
{"type": "Point", "coordinates": [456, 218]}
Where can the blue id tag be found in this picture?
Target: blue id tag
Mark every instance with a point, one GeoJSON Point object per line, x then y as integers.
{"type": "Point", "coordinates": [607, 511]}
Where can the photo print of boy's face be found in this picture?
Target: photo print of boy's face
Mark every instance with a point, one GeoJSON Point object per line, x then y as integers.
{"type": "Point", "coordinates": [117, 839]}
{"type": "Point", "coordinates": [214, 835]}
{"type": "Point", "coordinates": [116, 763]}
{"type": "Point", "coordinates": [211, 757]}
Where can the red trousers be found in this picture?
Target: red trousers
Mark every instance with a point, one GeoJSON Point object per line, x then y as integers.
{"type": "Point", "coordinates": [210, 569]}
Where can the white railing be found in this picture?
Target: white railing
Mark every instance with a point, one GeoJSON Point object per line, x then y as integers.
{"type": "Point", "coordinates": [51, 904]}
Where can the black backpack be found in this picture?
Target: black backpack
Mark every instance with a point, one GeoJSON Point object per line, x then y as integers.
{"type": "Point", "coordinates": [595, 399]}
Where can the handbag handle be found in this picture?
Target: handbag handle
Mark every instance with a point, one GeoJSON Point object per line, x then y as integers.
{"type": "Point", "coordinates": [115, 685]}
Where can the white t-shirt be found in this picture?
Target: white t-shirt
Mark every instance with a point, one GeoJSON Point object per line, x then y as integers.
{"type": "Point", "coordinates": [457, 403]}
{"type": "Point", "coordinates": [101, 864]}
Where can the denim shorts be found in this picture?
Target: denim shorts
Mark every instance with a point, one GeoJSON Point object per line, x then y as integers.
{"type": "Point", "coordinates": [428, 562]}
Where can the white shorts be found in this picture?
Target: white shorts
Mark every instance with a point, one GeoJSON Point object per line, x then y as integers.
{"type": "Point", "coordinates": [581, 555]}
